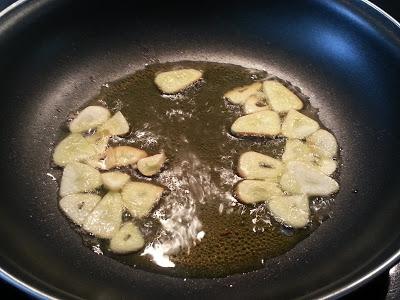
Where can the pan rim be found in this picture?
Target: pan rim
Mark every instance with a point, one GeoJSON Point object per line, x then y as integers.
{"type": "Point", "coordinates": [333, 294]}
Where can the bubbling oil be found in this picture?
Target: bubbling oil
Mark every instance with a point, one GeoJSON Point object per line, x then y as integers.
{"type": "Point", "coordinates": [199, 229]}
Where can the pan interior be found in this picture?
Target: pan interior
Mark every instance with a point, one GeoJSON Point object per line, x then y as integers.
{"type": "Point", "coordinates": [342, 54]}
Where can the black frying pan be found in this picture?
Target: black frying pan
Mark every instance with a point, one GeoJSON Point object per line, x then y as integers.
{"type": "Point", "coordinates": [54, 55]}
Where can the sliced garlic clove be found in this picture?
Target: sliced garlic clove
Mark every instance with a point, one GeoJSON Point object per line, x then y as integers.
{"type": "Point", "coordinates": [127, 239]}
{"type": "Point", "coordinates": [254, 165]}
{"type": "Point", "coordinates": [78, 177]}
{"type": "Point", "coordinates": [289, 184]}
{"type": "Point", "coordinates": [96, 162]}
{"type": "Point", "coordinates": [73, 148]}
{"type": "Point", "coordinates": [327, 165]}
{"type": "Point", "coordinates": [280, 98]}
{"type": "Point", "coordinates": [298, 126]}
{"type": "Point", "coordinates": [116, 125]}
{"type": "Point", "coordinates": [297, 150]}
{"type": "Point", "coordinates": [253, 191]}
{"type": "Point", "coordinates": [88, 118]}
{"type": "Point", "coordinates": [324, 142]}
{"type": "Point", "coordinates": [240, 94]}
{"type": "Point", "coordinates": [172, 82]}
{"type": "Point", "coordinates": [99, 140]}
{"type": "Point", "coordinates": [151, 165]}
{"type": "Point", "coordinates": [78, 206]}
{"type": "Point", "coordinates": [303, 178]}
{"type": "Point", "coordinates": [114, 181]}
{"type": "Point", "coordinates": [123, 156]}
{"type": "Point", "coordinates": [140, 197]}
{"type": "Point", "coordinates": [255, 103]}
{"type": "Point", "coordinates": [106, 218]}
{"type": "Point", "coordinates": [293, 211]}
{"type": "Point", "coordinates": [262, 123]}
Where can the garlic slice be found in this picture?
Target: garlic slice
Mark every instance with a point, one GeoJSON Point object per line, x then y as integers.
{"type": "Point", "coordinates": [297, 150]}
{"type": "Point", "coordinates": [78, 177]}
{"type": "Point", "coordinates": [280, 98]}
{"type": "Point", "coordinates": [106, 218]}
{"type": "Point", "coordinates": [293, 211]}
{"type": "Point", "coordinates": [127, 239]}
{"type": "Point", "coordinates": [140, 197]}
{"type": "Point", "coordinates": [303, 178]}
{"type": "Point", "coordinates": [253, 191]}
{"type": "Point", "coordinates": [116, 125]}
{"type": "Point", "coordinates": [88, 118]}
{"type": "Point", "coordinates": [151, 165]}
{"type": "Point", "coordinates": [240, 94]}
{"type": "Point", "coordinates": [96, 162]}
{"type": "Point", "coordinates": [122, 156]}
{"type": "Point", "coordinates": [262, 123]}
{"type": "Point", "coordinates": [254, 165]}
{"type": "Point", "coordinates": [300, 151]}
{"type": "Point", "coordinates": [172, 82]}
{"type": "Point", "coordinates": [298, 126]}
{"type": "Point", "coordinates": [255, 103]}
{"type": "Point", "coordinates": [78, 206]}
{"type": "Point", "coordinates": [114, 181]}
{"type": "Point", "coordinates": [99, 140]}
{"type": "Point", "coordinates": [73, 148]}
{"type": "Point", "coordinates": [327, 165]}
{"type": "Point", "coordinates": [324, 142]}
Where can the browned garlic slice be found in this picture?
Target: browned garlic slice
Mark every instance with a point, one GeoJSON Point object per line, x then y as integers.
{"type": "Point", "coordinates": [240, 94]}
{"type": "Point", "coordinates": [280, 98]}
{"type": "Point", "coordinates": [303, 178]}
{"type": "Point", "coordinates": [78, 177]}
{"type": "Point", "coordinates": [254, 165]}
{"type": "Point", "coordinates": [73, 148]}
{"type": "Point", "coordinates": [78, 206]}
{"type": "Point", "coordinates": [253, 191]}
{"type": "Point", "coordinates": [89, 118]}
{"type": "Point", "coordinates": [262, 123]}
{"type": "Point", "coordinates": [116, 125]}
{"type": "Point", "coordinates": [123, 156]}
{"type": "Point", "coordinates": [127, 239]}
{"type": "Point", "coordinates": [293, 211]}
{"type": "Point", "coordinates": [114, 181]}
{"type": "Point", "coordinates": [140, 197]}
{"type": "Point", "coordinates": [255, 103]}
{"type": "Point", "coordinates": [151, 165]}
{"type": "Point", "coordinates": [106, 218]}
{"type": "Point", "coordinates": [298, 126]}
{"type": "Point", "coordinates": [172, 82]}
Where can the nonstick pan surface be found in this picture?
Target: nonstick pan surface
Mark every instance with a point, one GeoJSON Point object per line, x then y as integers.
{"type": "Point", "coordinates": [54, 56]}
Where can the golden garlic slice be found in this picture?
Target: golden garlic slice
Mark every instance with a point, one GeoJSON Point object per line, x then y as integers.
{"type": "Point", "coordinates": [78, 177]}
{"type": "Point", "coordinates": [280, 98]}
{"type": "Point", "coordinates": [106, 218]}
{"type": "Point", "coordinates": [89, 118]}
{"type": "Point", "coordinates": [140, 197]}
{"type": "Point", "coordinates": [262, 123]}
{"type": "Point", "coordinates": [127, 239]}
{"type": "Point", "coordinates": [172, 82]}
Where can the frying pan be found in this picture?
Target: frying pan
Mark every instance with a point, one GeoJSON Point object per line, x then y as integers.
{"type": "Point", "coordinates": [54, 56]}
